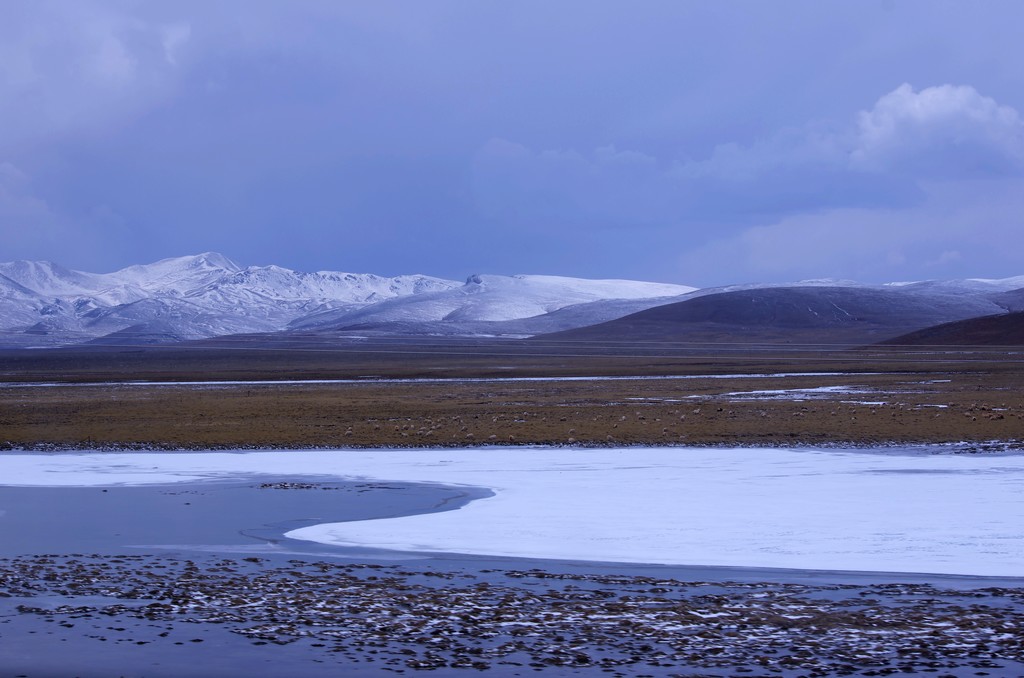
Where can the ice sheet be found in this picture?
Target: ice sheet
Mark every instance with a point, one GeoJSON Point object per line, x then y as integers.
{"type": "Point", "coordinates": [428, 380]}
{"type": "Point", "coordinates": [815, 509]}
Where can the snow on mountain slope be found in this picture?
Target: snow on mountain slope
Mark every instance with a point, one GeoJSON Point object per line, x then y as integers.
{"type": "Point", "coordinates": [18, 304]}
{"type": "Point", "coordinates": [493, 298]}
{"type": "Point", "coordinates": [1013, 283]}
{"type": "Point", "coordinates": [48, 279]}
{"type": "Point", "coordinates": [175, 276]}
{"type": "Point", "coordinates": [60, 306]}
{"type": "Point", "coordinates": [178, 275]}
{"type": "Point", "coordinates": [273, 287]}
{"type": "Point", "coordinates": [970, 285]}
{"type": "Point", "coordinates": [11, 289]}
{"type": "Point", "coordinates": [178, 298]}
{"type": "Point", "coordinates": [175, 319]}
{"type": "Point", "coordinates": [208, 295]}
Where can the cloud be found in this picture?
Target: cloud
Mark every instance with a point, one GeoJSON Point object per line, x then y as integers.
{"type": "Point", "coordinates": [68, 71]}
{"type": "Point", "coordinates": [944, 131]}
{"type": "Point", "coordinates": [941, 131]}
{"type": "Point", "coordinates": [70, 66]}
{"type": "Point", "coordinates": [600, 133]}
{"type": "Point", "coordinates": [880, 161]}
{"type": "Point", "coordinates": [959, 226]}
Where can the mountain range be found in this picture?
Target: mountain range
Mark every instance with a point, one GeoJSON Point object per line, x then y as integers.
{"type": "Point", "coordinates": [208, 296]}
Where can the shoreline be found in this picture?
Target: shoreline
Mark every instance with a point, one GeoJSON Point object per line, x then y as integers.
{"type": "Point", "coordinates": [268, 603]}
{"type": "Point", "coordinates": [209, 615]}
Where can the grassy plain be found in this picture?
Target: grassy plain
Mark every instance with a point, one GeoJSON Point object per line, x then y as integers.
{"type": "Point", "coordinates": [458, 394]}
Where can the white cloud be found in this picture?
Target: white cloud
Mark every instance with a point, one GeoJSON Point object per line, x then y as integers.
{"type": "Point", "coordinates": [944, 131]}
{"type": "Point", "coordinates": [940, 131]}
{"type": "Point", "coordinates": [881, 161]}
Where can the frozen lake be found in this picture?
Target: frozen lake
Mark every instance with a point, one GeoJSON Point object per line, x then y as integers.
{"type": "Point", "coordinates": [923, 510]}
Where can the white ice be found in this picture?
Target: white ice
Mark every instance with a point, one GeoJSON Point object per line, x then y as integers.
{"type": "Point", "coordinates": [814, 509]}
{"type": "Point", "coordinates": [797, 393]}
{"type": "Point", "coordinates": [419, 380]}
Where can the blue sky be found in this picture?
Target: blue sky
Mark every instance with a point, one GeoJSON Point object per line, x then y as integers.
{"type": "Point", "coordinates": [701, 143]}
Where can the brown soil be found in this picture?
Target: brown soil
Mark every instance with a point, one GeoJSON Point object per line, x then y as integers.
{"type": "Point", "coordinates": [926, 400]}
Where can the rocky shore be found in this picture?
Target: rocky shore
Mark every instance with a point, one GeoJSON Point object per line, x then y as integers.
{"type": "Point", "coordinates": [400, 618]}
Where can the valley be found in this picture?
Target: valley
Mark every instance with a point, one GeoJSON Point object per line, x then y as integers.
{"type": "Point", "coordinates": [780, 480]}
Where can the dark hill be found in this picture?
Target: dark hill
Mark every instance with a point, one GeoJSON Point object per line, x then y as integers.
{"type": "Point", "coordinates": [789, 315]}
{"type": "Point", "coordinates": [1012, 300]}
{"type": "Point", "coordinates": [994, 330]}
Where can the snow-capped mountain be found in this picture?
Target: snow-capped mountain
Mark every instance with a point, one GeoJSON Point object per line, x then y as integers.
{"type": "Point", "coordinates": [208, 295]}
{"type": "Point", "coordinates": [491, 300]}
{"type": "Point", "coordinates": [190, 297]}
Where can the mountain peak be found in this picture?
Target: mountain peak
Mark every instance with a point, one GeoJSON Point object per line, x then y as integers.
{"type": "Point", "coordinates": [215, 259]}
{"type": "Point", "coordinates": [176, 275]}
{"type": "Point", "coordinates": [195, 261]}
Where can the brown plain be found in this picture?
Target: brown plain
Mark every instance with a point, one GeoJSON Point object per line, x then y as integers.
{"type": "Point", "coordinates": [886, 397]}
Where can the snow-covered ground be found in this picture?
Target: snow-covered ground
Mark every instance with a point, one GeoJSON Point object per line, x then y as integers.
{"type": "Point", "coordinates": [814, 509]}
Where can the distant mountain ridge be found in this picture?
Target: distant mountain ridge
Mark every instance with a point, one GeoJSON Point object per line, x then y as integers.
{"type": "Point", "coordinates": [805, 314]}
{"type": "Point", "coordinates": [208, 295]}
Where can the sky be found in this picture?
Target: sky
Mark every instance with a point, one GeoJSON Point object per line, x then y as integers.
{"type": "Point", "coordinates": [701, 143]}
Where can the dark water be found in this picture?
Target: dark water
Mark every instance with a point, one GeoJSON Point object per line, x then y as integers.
{"type": "Point", "coordinates": [224, 516]}
{"type": "Point", "coordinates": [195, 521]}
